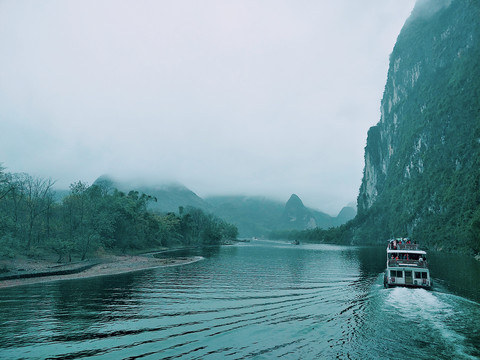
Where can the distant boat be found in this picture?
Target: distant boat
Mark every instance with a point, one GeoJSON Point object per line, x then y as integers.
{"type": "Point", "coordinates": [296, 242]}
{"type": "Point", "coordinates": [406, 265]}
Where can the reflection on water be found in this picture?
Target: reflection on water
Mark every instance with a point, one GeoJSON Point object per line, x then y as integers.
{"type": "Point", "coordinates": [459, 274]}
{"type": "Point", "coordinates": [259, 300]}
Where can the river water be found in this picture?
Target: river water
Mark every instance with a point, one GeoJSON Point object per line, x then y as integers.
{"type": "Point", "coordinates": [260, 300]}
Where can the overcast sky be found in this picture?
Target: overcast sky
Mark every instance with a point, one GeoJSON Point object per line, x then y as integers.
{"type": "Point", "coordinates": [224, 96]}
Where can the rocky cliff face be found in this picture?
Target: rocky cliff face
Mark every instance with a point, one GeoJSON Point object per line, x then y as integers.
{"type": "Point", "coordinates": [421, 159]}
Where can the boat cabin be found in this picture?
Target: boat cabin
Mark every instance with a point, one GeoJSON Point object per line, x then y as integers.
{"type": "Point", "coordinates": [407, 265]}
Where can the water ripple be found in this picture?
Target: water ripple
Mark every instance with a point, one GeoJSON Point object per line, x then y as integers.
{"type": "Point", "coordinates": [259, 301]}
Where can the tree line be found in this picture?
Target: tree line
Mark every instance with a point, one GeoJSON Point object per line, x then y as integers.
{"type": "Point", "coordinates": [93, 219]}
{"type": "Point", "coordinates": [340, 235]}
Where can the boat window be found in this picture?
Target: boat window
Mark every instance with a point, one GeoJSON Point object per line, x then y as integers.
{"type": "Point", "coordinates": [418, 275]}
{"type": "Point", "coordinates": [424, 275]}
{"type": "Point", "coordinates": [395, 273]}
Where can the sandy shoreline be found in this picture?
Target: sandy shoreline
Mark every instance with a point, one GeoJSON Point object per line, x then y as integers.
{"type": "Point", "coordinates": [110, 265]}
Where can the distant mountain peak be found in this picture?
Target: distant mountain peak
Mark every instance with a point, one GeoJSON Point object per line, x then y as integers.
{"type": "Point", "coordinates": [294, 202]}
{"type": "Point", "coordinates": [297, 215]}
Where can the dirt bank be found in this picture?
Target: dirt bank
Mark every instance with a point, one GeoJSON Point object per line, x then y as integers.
{"type": "Point", "coordinates": [23, 272]}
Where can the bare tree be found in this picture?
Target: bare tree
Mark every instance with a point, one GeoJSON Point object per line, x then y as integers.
{"type": "Point", "coordinates": [4, 183]}
{"type": "Point", "coordinates": [38, 199]}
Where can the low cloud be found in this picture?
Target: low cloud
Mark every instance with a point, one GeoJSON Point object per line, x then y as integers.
{"type": "Point", "coordinates": [260, 98]}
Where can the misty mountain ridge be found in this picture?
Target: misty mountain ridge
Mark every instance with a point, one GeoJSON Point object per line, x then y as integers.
{"type": "Point", "coordinates": [169, 196]}
{"type": "Point", "coordinates": [253, 215]}
{"type": "Point", "coordinates": [259, 216]}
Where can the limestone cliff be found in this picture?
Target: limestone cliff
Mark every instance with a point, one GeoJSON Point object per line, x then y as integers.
{"type": "Point", "coordinates": [421, 175]}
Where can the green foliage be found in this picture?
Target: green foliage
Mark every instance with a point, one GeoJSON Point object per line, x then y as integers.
{"type": "Point", "coordinates": [92, 219]}
{"type": "Point", "coordinates": [335, 235]}
{"type": "Point", "coordinates": [433, 130]}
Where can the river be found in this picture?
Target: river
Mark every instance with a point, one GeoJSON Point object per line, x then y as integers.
{"type": "Point", "coordinates": [259, 300]}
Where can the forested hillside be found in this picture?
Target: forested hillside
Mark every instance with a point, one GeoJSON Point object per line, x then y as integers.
{"type": "Point", "coordinates": [92, 220]}
{"type": "Point", "coordinates": [169, 195]}
{"type": "Point", "coordinates": [422, 160]}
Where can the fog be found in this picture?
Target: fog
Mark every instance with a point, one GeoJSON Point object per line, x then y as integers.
{"type": "Point", "coordinates": [226, 97]}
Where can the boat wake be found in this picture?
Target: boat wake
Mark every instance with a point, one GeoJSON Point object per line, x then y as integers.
{"type": "Point", "coordinates": [436, 319]}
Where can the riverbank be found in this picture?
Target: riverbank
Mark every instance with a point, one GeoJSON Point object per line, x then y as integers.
{"type": "Point", "coordinates": [26, 271]}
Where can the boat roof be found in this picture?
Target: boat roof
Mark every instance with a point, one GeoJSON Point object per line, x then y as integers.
{"type": "Point", "coordinates": [421, 252]}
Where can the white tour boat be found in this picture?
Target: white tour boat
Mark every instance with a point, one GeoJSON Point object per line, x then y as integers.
{"type": "Point", "coordinates": [406, 265]}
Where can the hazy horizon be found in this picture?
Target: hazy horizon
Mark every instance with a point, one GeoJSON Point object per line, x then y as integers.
{"type": "Point", "coordinates": [225, 97]}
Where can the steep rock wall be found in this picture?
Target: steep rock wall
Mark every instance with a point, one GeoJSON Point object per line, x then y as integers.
{"type": "Point", "coordinates": [421, 160]}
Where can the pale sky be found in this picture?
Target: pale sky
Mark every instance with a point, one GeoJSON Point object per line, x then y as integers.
{"type": "Point", "coordinates": [224, 96]}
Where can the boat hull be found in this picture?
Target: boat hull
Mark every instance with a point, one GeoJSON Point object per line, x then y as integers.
{"type": "Point", "coordinates": [419, 283]}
